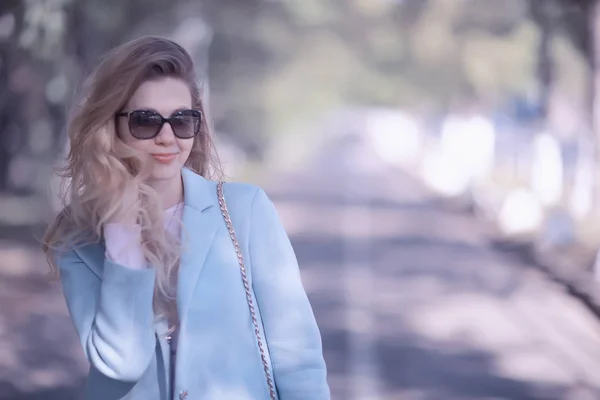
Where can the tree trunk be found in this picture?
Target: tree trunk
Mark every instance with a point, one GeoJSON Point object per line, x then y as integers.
{"type": "Point", "coordinates": [9, 101]}
{"type": "Point", "coordinates": [593, 24]}
{"type": "Point", "coordinates": [543, 15]}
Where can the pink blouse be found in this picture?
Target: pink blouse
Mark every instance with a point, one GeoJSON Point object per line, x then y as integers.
{"type": "Point", "coordinates": [123, 242]}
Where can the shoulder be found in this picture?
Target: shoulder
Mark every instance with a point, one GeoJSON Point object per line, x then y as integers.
{"type": "Point", "coordinates": [247, 203]}
{"type": "Point", "coordinates": [201, 192]}
{"type": "Point", "coordinates": [244, 200]}
{"type": "Point", "coordinates": [244, 197]}
{"type": "Point", "coordinates": [242, 192]}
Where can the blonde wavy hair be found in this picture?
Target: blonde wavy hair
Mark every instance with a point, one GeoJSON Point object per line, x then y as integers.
{"type": "Point", "coordinates": [101, 171]}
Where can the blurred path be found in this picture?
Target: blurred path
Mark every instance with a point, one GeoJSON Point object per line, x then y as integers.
{"type": "Point", "coordinates": [412, 301]}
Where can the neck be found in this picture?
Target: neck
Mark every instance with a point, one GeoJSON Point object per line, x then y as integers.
{"type": "Point", "coordinates": [170, 191]}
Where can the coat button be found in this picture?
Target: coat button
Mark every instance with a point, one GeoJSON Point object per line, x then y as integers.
{"type": "Point", "coordinates": [183, 395]}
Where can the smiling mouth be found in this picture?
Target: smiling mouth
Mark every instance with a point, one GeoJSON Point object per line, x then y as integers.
{"type": "Point", "coordinates": [165, 158]}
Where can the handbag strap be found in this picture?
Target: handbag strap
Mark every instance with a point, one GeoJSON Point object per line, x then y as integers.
{"type": "Point", "coordinates": [238, 252]}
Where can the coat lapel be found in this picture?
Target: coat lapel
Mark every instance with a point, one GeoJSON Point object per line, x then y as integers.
{"type": "Point", "coordinates": [201, 221]}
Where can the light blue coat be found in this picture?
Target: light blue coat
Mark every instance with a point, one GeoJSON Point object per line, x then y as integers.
{"type": "Point", "coordinates": [217, 357]}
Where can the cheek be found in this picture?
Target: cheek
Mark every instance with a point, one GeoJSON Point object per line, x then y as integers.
{"type": "Point", "coordinates": [141, 145]}
{"type": "Point", "coordinates": [186, 147]}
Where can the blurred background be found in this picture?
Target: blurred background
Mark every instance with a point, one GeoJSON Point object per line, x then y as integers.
{"type": "Point", "coordinates": [436, 164]}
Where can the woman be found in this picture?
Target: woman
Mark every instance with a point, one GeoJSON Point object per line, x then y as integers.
{"type": "Point", "coordinates": [163, 306]}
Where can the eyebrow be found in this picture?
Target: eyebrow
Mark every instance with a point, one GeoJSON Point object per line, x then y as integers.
{"type": "Point", "coordinates": [156, 111]}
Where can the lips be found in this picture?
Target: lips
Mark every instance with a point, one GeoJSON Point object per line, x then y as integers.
{"type": "Point", "coordinates": [165, 158]}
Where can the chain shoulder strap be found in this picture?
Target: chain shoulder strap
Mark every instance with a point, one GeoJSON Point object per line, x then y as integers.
{"type": "Point", "coordinates": [240, 258]}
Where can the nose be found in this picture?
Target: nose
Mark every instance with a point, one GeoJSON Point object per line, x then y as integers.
{"type": "Point", "coordinates": [166, 134]}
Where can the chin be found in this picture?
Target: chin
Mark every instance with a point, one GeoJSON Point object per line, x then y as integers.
{"type": "Point", "coordinates": [165, 171]}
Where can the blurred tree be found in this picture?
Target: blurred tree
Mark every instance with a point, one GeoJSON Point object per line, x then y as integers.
{"type": "Point", "coordinates": [580, 22]}
{"type": "Point", "coordinates": [237, 66]}
{"type": "Point", "coordinates": [546, 15]}
{"type": "Point", "coordinates": [590, 40]}
{"type": "Point", "coordinates": [11, 24]}
{"type": "Point", "coordinates": [275, 66]}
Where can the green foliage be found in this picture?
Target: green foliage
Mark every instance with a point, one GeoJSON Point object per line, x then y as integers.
{"type": "Point", "coordinates": [394, 53]}
{"type": "Point", "coordinates": [277, 65]}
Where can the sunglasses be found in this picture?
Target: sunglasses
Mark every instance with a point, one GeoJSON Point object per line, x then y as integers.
{"type": "Point", "coordinates": [146, 124]}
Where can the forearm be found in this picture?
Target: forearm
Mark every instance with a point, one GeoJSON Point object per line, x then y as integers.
{"type": "Point", "coordinates": [121, 340]}
{"type": "Point", "coordinates": [112, 312]}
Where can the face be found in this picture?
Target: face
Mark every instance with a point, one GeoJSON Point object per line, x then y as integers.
{"type": "Point", "coordinates": [167, 152]}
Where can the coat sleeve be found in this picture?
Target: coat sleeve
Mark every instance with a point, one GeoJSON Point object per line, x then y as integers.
{"type": "Point", "coordinates": [293, 338]}
{"type": "Point", "coordinates": [113, 315]}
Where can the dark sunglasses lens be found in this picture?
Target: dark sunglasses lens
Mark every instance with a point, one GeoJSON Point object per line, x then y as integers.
{"type": "Point", "coordinates": [186, 124]}
{"type": "Point", "coordinates": [144, 124]}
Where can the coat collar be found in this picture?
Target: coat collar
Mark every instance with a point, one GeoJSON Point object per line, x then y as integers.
{"type": "Point", "coordinates": [199, 193]}
{"type": "Point", "coordinates": [201, 221]}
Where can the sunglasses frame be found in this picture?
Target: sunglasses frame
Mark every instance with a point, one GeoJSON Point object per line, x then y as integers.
{"type": "Point", "coordinates": [163, 120]}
